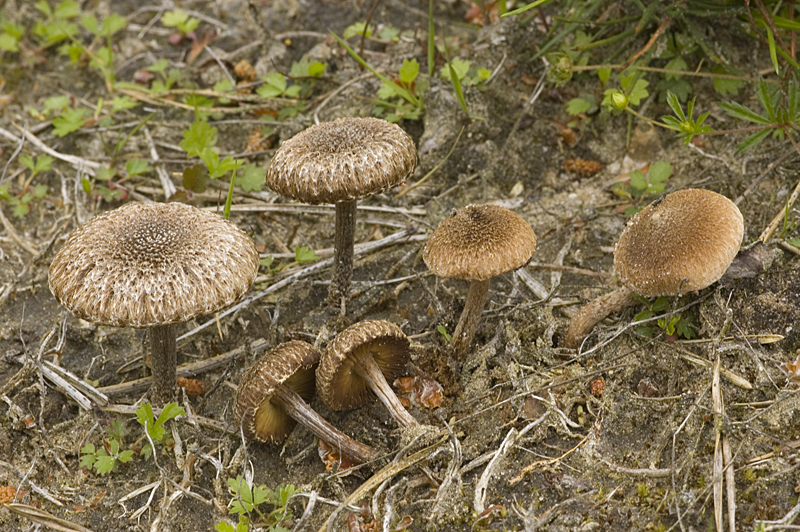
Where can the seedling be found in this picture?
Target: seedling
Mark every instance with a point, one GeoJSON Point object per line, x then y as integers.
{"type": "Point", "coordinates": [10, 35]}
{"type": "Point", "coordinates": [56, 25]}
{"type": "Point", "coordinates": [467, 74]}
{"type": "Point", "coordinates": [391, 105]}
{"type": "Point", "coordinates": [443, 332]}
{"type": "Point", "coordinates": [642, 184]}
{"type": "Point", "coordinates": [676, 325]}
{"type": "Point", "coordinates": [247, 498]}
{"type": "Point", "coordinates": [21, 199]}
{"type": "Point", "coordinates": [155, 427]}
{"type": "Point", "coordinates": [105, 458]}
{"type": "Point", "coordinates": [303, 254]}
{"type": "Point", "coordinates": [180, 20]}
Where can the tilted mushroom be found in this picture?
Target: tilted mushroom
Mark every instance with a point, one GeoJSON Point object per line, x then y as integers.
{"type": "Point", "coordinates": [681, 243]}
{"type": "Point", "coordinates": [153, 265]}
{"type": "Point", "coordinates": [477, 243]}
{"type": "Point", "coordinates": [341, 162]}
{"type": "Point", "coordinates": [358, 365]}
{"type": "Point", "coordinates": [273, 395]}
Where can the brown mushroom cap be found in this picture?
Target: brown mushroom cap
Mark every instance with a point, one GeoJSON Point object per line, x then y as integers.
{"type": "Point", "coordinates": [152, 264]}
{"type": "Point", "coordinates": [478, 242]}
{"type": "Point", "coordinates": [683, 243]}
{"type": "Point", "coordinates": [338, 384]}
{"type": "Point", "coordinates": [291, 364]}
{"type": "Point", "coordinates": [347, 159]}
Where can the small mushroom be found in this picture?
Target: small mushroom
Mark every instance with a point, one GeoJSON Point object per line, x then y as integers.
{"type": "Point", "coordinates": [681, 243]}
{"type": "Point", "coordinates": [153, 265]}
{"type": "Point", "coordinates": [359, 363]}
{"type": "Point", "coordinates": [273, 395]}
{"type": "Point", "coordinates": [477, 243]}
{"type": "Point", "coordinates": [341, 162]}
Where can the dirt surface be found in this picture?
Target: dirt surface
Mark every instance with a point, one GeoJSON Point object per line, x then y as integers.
{"type": "Point", "coordinates": [529, 435]}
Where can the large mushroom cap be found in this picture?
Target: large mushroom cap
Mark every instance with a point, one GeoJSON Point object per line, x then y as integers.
{"type": "Point", "coordinates": [347, 159]}
{"type": "Point", "coordinates": [478, 242]}
{"type": "Point", "coordinates": [682, 243]}
{"type": "Point", "coordinates": [338, 384]}
{"type": "Point", "coordinates": [151, 264]}
{"type": "Point", "coordinates": [290, 364]}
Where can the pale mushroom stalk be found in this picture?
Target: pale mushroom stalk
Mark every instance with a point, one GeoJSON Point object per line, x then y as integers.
{"type": "Point", "coordinates": [470, 317]}
{"type": "Point", "coordinates": [286, 398]}
{"type": "Point", "coordinates": [594, 312]}
{"type": "Point", "coordinates": [366, 368]}
{"type": "Point", "coordinates": [163, 362]}
{"type": "Point", "coordinates": [345, 228]}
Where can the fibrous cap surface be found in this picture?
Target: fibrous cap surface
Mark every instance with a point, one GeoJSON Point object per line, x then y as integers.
{"type": "Point", "coordinates": [683, 243]}
{"type": "Point", "coordinates": [478, 242]}
{"type": "Point", "coordinates": [346, 159]}
{"type": "Point", "coordinates": [149, 264]}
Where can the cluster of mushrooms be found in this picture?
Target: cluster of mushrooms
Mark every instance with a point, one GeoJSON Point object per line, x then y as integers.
{"type": "Point", "coordinates": [151, 265]}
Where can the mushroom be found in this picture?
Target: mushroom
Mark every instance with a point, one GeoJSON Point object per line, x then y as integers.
{"type": "Point", "coordinates": [681, 243]}
{"type": "Point", "coordinates": [341, 162]}
{"type": "Point", "coordinates": [477, 243]}
{"type": "Point", "coordinates": [273, 395]}
{"type": "Point", "coordinates": [153, 265]}
{"type": "Point", "coordinates": [358, 364]}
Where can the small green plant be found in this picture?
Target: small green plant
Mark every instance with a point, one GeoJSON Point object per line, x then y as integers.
{"type": "Point", "coordinates": [180, 20]}
{"type": "Point", "coordinates": [105, 458]}
{"type": "Point", "coordinates": [10, 35]}
{"type": "Point", "coordinates": [246, 499]}
{"type": "Point", "coordinates": [643, 184]}
{"type": "Point", "coordinates": [443, 331]}
{"type": "Point", "coordinates": [155, 427]}
{"type": "Point", "coordinates": [303, 254]}
{"type": "Point", "coordinates": [677, 325]}
{"type": "Point", "coordinates": [467, 75]}
{"type": "Point", "coordinates": [20, 200]}
{"type": "Point", "coordinates": [390, 104]}
{"type": "Point", "coordinates": [169, 76]}
{"type": "Point", "coordinates": [56, 25]}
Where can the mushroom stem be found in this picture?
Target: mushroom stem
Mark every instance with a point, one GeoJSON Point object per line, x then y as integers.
{"type": "Point", "coordinates": [594, 312]}
{"type": "Point", "coordinates": [163, 362]}
{"type": "Point", "coordinates": [470, 316]}
{"type": "Point", "coordinates": [366, 368]}
{"type": "Point", "coordinates": [294, 405]}
{"type": "Point", "coordinates": [344, 229]}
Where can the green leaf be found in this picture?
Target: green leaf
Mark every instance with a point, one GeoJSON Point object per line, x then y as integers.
{"type": "Point", "coordinates": [577, 106]}
{"type": "Point", "coordinates": [21, 209]}
{"type": "Point", "coordinates": [660, 304]}
{"type": "Point", "coordinates": [121, 103]}
{"type": "Point", "coordinates": [678, 86]}
{"type": "Point", "coordinates": [39, 191]}
{"type": "Point", "coordinates": [304, 254]}
{"type": "Point", "coordinates": [444, 332]}
{"type": "Point", "coordinates": [773, 54]}
{"type": "Point", "coordinates": [27, 161]}
{"type": "Point", "coordinates": [174, 18]}
{"type": "Point", "coordinates": [56, 103]}
{"type": "Point", "coordinates": [224, 526]}
{"type": "Point", "coordinates": [144, 415]}
{"type": "Point", "coordinates": [409, 71]}
{"type": "Point", "coordinates": [43, 163]}
{"type": "Point", "coordinates": [104, 173]}
{"type": "Point", "coordinates": [638, 180]}
{"type": "Point", "coordinates": [159, 66]}
{"type": "Point", "coordinates": [69, 121]}
{"type": "Point", "coordinates": [639, 92]}
{"type": "Point", "coordinates": [90, 23]}
{"type": "Point", "coordinates": [104, 464]}
{"type": "Point", "coordinates": [460, 67]}
{"type": "Point", "coordinates": [137, 166]}
{"type": "Point", "coordinates": [727, 86]}
{"type": "Point", "coordinates": [250, 178]}
{"type": "Point", "coordinates": [87, 456]}
{"type": "Point", "coordinates": [660, 172]}
{"type": "Point", "coordinates": [677, 63]}
{"type": "Point", "coordinates": [753, 140]}
{"type": "Point", "coordinates": [737, 110]}
{"type": "Point", "coordinates": [170, 411]}
{"type": "Point", "coordinates": [117, 430]}
{"type": "Point", "coordinates": [769, 97]}
{"type": "Point", "coordinates": [44, 7]}
{"type": "Point", "coordinates": [125, 456]}
{"type": "Point", "coordinates": [604, 74]}
{"type": "Point", "coordinates": [8, 42]}
{"type": "Point", "coordinates": [198, 137]}
{"type": "Point", "coordinates": [112, 25]}
{"type": "Point", "coordinates": [67, 9]}
{"type": "Point", "coordinates": [357, 29]}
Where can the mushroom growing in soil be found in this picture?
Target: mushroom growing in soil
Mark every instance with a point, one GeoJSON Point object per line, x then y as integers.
{"type": "Point", "coordinates": [358, 365]}
{"type": "Point", "coordinates": [341, 162]}
{"type": "Point", "coordinates": [679, 244]}
{"type": "Point", "coordinates": [477, 243]}
{"type": "Point", "coordinates": [274, 393]}
{"type": "Point", "coordinates": [153, 265]}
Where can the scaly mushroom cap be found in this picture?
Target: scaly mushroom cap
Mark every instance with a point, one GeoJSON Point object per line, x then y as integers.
{"type": "Point", "coordinates": [347, 159]}
{"type": "Point", "coordinates": [337, 382]}
{"type": "Point", "coordinates": [149, 264]}
{"type": "Point", "coordinates": [291, 364]}
{"type": "Point", "coordinates": [684, 242]}
{"type": "Point", "coordinates": [479, 242]}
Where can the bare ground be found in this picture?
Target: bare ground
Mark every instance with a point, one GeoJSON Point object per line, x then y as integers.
{"type": "Point", "coordinates": [531, 437]}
